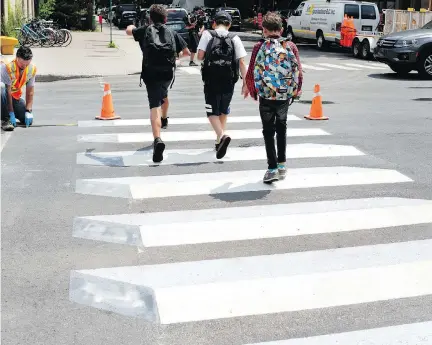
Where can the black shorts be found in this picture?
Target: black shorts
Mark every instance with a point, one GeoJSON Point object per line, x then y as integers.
{"type": "Point", "coordinates": [156, 92]}
{"type": "Point", "coordinates": [193, 42]}
{"type": "Point", "coordinates": [217, 103]}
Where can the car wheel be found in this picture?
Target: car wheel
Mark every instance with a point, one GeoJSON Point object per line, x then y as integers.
{"type": "Point", "coordinates": [365, 50]}
{"type": "Point", "coordinates": [356, 46]}
{"type": "Point", "coordinates": [321, 42]}
{"type": "Point", "coordinates": [425, 65]}
{"type": "Point", "coordinates": [401, 70]}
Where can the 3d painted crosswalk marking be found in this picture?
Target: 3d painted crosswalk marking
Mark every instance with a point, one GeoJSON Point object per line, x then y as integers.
{"type": "Point", "coordinates": [338, 66]}
{"type": "Point", "coordinates": [195, 156]}
{"type": "Point", "coordinates": [369, 66]}
{"type": "Point", "coordinates": [191, 136]}
{"type": "Point", "coordinates": [175, 121]}
{"type": "Point", "coordinates": [226, 288]}
{"type": "Point", "coordinates": [161, 229]}
{"type": "Point", "coordinates": [233, 182]}
{"type": "Point", "coordinates": [408, 334]}
{"type": "Point", "coordinates": [314, 67]}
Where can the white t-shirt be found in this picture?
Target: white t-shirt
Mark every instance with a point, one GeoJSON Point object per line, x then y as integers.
{"type": "Point", "coordinates": [240, 51]}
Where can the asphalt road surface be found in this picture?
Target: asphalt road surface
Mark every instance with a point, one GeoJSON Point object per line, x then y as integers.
{"type": "Point", "coordinates": [99, 246]}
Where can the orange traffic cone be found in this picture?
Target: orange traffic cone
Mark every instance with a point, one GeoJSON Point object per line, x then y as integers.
{"type": "Point", "coordinates": [316, 112]}
{"type": "Point", "coordinates": [107, 112]}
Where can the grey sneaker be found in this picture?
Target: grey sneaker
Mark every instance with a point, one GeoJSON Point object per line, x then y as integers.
{"type": "Point", "coordinates": [282, 171]}
{"type": "Point", "coordinates": [271, 175]}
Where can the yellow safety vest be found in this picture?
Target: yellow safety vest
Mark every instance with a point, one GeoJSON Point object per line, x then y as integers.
{"type": "Point", "coordinates": [18, 82]}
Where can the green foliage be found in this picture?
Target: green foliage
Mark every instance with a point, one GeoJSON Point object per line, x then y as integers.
{"type": "Point", "coordinates": [112, 45]}
{"type": "Point", "coordinates": [15, 19]}
{"type": "Point", "coordinates": [47, 8]}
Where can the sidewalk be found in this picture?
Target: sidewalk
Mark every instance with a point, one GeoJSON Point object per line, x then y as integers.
{"type": "Point", "coordinates": [89, 55]}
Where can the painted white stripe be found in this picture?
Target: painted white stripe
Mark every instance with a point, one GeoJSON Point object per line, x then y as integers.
{"type": "Point", "coordinates": [314, 67]}
{"type": "Point", "coordinates": [191, 136]}
{"type": "Point", "coordinates": [190, 70]}
{"type": "Point", "coordinates": [214, 289]}
{"type": "Point", "coordinates": [250, 223]}
{"type": "Point", "coordinates": [338, 66]}
{"type": "Point", "coordinates": [370, 66]}
{"type": "Point", "coordinates": [176, 121]}
{"type": "Point", "coordinates": [233, 182]}
{"type": "Point", "coordinates": [106, 93]}
{"type": "Point", "coordinates": [194, 156]}
{"type": "Point", "coordinates": [408, 334]}
{"type": "Point", "coordinates": [5, 136]}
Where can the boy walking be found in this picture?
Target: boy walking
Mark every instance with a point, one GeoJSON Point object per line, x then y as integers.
{"type": "Point", "coordinates": [160, 47]}
{"type": "Point", "coordinates": [275, 76]}
{"type": "Point", "coordinates": [223, 54]}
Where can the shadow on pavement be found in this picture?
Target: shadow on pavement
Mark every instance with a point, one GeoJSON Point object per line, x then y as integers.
{"type": "Point", "coordinates": [395, 76]}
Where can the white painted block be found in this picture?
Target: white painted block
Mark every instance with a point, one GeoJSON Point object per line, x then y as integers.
{"type": "Point", "coordinates": [233, 182]}
{"type": "Point", "coordinates": [242, 286]}
{"type": "Point", "coordinates": [190, 70]}
{"type": "Point", "coordinates": [162, 229]}
{"type": "Point", "coordinates": [368, 66]}
{"type": "Point", "coordinates": [175, 121]}
{"type": "Point", "coordinates": [191, 136]}
{"type": "Point", "coordinates": [408, 334]}
{"type": "Point", "coordinates": [314, 67]}
{"type": "Point", "coordinates": [338, 66]}
{"type": "Point", "coordinates": [195, 156]}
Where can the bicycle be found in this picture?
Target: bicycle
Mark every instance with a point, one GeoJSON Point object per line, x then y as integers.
{"type": "Point", "coordinates": [34, 33]}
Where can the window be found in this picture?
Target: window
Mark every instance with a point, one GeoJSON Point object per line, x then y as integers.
{"type": "Point", "coordinates": [299, 10]}
{"type": "Point", "coordinates": [352, 11]}
{"type": "Point", "coordinates": [368, 12]}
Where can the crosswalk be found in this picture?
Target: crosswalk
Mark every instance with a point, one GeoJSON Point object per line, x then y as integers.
{"type": "Point", "coordinates": [312, 66]}
{"type": "Point", "coordinates": [231, 287]}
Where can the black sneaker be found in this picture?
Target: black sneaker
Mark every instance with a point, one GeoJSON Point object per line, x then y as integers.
{"type": "Point", "coordinates": [7, 126]}
{"type": "Point", "coordinates": [164, 122]}
{"type": "Point", "coordinates": [271, 175]}
{"type": "Point", "coordinates": [158, 150]}
{"type": "Point", "coordinates": [192, 63]}
{"type": "Point", "coordinates": [223, 146]}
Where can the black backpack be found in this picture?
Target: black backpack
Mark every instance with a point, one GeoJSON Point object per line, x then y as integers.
{"type": "Point", "coordinates": [159, 49]}
{"type": "Point", "coordinates": [220, 64]}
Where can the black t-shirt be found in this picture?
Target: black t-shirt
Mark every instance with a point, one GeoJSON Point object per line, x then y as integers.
{"type": "Point", "coordinates": [139, 33]}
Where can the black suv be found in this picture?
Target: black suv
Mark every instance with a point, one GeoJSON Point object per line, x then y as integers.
{"type": "Point", "coordinates": [235, 15]}
{"type": "Point", "coordinates": [408, 50]}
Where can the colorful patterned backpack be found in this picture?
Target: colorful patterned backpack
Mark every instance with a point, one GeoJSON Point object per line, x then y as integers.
{"type": "Point", "coordinates": [276, 70]}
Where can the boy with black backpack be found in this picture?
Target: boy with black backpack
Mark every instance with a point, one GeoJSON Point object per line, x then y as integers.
{"type": "Point", "coordinates": [160, 47]}
{"type": "Point", "coordinates": [275, 76]}
{"type": "Point", "coordinates": [223, 54]}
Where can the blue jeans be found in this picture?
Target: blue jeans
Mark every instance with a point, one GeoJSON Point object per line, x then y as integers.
{"type": "Point", "coordinates": [19, 106]}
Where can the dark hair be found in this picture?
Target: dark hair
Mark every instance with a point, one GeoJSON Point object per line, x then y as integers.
{"type": "Point", "coordinates": [24, 53]}
{"type": "Point", "coordinates": [272, 22]}
{"type": "Point", "coordinates": [158, 14]}
{"type": "Point", "coordinates": [221, 21]}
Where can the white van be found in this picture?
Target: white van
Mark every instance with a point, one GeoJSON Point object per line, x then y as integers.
{"type": "Point", "coordinates": [320, 21]}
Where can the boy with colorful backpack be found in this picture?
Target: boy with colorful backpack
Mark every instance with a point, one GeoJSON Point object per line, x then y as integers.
{"type": "Point", "coordinates": [275, 77]}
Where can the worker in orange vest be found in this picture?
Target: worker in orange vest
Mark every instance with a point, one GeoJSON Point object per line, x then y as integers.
{"type": "Point", "coordinates": [15, 75]}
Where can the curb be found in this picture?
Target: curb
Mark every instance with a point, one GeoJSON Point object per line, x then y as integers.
{"type": "Point", "coordinates": [49, 78]}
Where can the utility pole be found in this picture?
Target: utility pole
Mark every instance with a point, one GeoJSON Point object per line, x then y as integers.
{"type": "Point", "coordinates": [110, 20]}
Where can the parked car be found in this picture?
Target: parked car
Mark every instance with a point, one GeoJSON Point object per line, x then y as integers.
{"type": "Point", "coordinates": [176, 14]}
{"type": "Point", "coordinates": [179, 26]}
{"type": "Point", "coordinates": [406, 51]}
{"type": "Point", "coordinates": [235, 15]}
{"type": "Point", "coordinates": [126, 18]}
